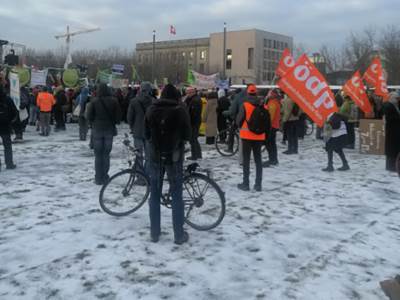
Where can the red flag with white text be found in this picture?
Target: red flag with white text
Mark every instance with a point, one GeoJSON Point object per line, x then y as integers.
{"type": "Point", "coordinates": [306, 86]}
{"type": "Point", "coordinates": [285, 63]}
{"type": "Point", "coordinates": [375, 77]}
{"type": "Point", "coordinates": [355, 89]}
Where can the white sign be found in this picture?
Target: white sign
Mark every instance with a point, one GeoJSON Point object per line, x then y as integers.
{"type": "Point", "coordinates": [14, 89]}
{"type": "Point", "coordinates": [38, 77]}
{"type": "Point", "coordinates": [118, 69]}
{"type": "Point", "coordinates": [204, 81]}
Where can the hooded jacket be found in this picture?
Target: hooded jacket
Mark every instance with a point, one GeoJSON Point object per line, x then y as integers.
{"type": "Point", "coordinates": [10, 110]}
{"type": "Point", "coordinates": [137, 110]}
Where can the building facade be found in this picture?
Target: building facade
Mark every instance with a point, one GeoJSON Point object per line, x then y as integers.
{"type": "Point", "coordinates": [251, 56]}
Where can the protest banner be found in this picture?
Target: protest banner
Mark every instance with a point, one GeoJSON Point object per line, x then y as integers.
{"type": "Point", "coordinates": [285, 63]}
{"type": "Point", "coordinates": [14, 89]}
{"type": "Point", "coordinates": [38, 77]}
{"type": "Point", "coordinates": [201, 81]}
{"type": "Point", "coordinates": [355, 89]}
{"type": "Point", "coordinates": [372, 137]}
{"type": "Point", "coordinates": [117, 69]}
{"type": "Point", "coordinates": [375, 77]}
{"type": "Point", "coordinates": [305, 85]}
{"type": "Point", "coordinates": [70, 77]}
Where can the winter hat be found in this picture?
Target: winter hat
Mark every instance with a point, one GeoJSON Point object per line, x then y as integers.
{"type": "Point", "coordinates": [170, 92]}
{"type": "Point", "coordinates": [221, 93]}
{"type": "Point", "coordinates": [146, 88]}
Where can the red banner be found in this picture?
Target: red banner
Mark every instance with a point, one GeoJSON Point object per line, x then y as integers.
{"type": "Point", "coordinates": [375, 77]}
{"type": "Point", "coordinates": [286, 62]}
{"type": "Point", "coordinates": [355, 89]}
{"type": "Point", "coordinates": [306, 86]}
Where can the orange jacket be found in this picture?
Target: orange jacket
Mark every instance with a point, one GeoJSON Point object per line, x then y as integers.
{"type": "Point", "coordinates": [244, 131]}
{"type": "Point", "coordinates": [45, 101]}
{"type": "Point", "coordinates": [274, 108]}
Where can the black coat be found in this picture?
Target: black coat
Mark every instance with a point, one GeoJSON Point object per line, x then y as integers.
{"type": "Point", "coordinates": [194, 106]}
{"type": "Point", "coordinates": [392, 129]}
{"type": "Point", "coordinates": [11, 114]}
{"type": "Point", "coordinates": [103, 117]}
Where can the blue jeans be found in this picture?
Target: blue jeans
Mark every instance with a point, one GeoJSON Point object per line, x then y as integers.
{"type": "Point", "coordinates": [102, 144]}
{"type": "Point", "coordinates": [175, 178]}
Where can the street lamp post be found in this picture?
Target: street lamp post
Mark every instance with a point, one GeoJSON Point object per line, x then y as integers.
{"type": "Point", "coordinates": [153, 57]}
{"type": "Point", "coordinates": [224, 54]}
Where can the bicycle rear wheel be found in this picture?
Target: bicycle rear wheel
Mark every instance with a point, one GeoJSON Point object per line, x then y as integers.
{"type": "Point", "coordinates": [204, 202]}
{"type": "Point", "coordinates": [124, 193]}
{"type": "Point", "coordinates": [227, 143]}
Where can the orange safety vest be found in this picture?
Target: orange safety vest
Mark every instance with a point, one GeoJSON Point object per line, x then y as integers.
{"type": "Point", "coordinates": [244, 131]}
{"type": "Point", "coordinates": [45, 101]}
{"type": "Point", "coordinates": [276, 118]}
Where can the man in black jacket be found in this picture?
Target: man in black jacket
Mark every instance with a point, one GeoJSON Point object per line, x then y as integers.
{"type": "Point", "coordinates": [167, 127]}
{"type": "Point", "coordinates": [8, 113]}
{"type": "Point", "coordinates": [135, 117]}
{"type": "Point", "coordinates": [103, 113]}
{"type": "Point", "coordinates": [194, 107]}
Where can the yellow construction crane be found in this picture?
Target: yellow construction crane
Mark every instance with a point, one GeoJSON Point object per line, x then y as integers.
{"type": "Point", "coordinates": [67, 37]}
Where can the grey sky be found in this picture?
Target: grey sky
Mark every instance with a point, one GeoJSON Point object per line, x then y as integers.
{"type": "Point", "coordinates": [123, 22]}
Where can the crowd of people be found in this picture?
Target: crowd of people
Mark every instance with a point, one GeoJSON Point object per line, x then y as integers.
{"type": "Point", "coordinates": [161, 124]}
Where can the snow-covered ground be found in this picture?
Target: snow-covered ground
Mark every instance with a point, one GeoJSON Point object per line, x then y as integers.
{"type": "Point", "coordinates": [307, 235]}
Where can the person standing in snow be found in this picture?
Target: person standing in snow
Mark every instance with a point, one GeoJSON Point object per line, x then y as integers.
{"type": "Point", "coordinates": [194, 107]}
{"type": "Point", "coordinates": [103, 112]}
{"type": "Point", "coordinates": [82, 101]}
{"type": "Point", "coordinates": [251, 141]}
{"type": "Point", "coordinates": [391, 111]}
{"type": "Point", "coordinates": [8, 113]}
{"type": "Point", "coordinates": [135, 117]}
{"type": "Point", "coordinates": [45, 101]}
{"type": "Point", "coordinates": [335, 136]}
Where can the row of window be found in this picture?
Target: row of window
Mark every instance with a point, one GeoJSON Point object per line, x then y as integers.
{"type": "Point", "coordinates": [271, 54]}
{"type": "Point", "coordinates": [268, 76]}
{"type": "Point", "coordinates": [270, 65]}
{"type": "Point", "coordinates": [171, 55]}
{"type": "Point", "coordinates": [273, 44]}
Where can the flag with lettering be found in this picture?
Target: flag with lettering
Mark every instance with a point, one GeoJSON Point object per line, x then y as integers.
{"type": "Point", "coordinates": [285, 63]}
{"type": "Point", "coordinates": [306, 86]}
{"type": "Point", "coordinates": [375, 77]}
{"type": "Point", "coordinates": [355, 89]}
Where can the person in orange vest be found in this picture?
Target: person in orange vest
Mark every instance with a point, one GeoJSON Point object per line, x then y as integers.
{"type": "Point", "coordinates": [250, 140]}
{"type": "Point", "coordinates": [45, 101]}
{"type": "Point", "coordinates": [273, 106]}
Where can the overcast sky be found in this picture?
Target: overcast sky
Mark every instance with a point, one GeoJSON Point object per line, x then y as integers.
{"type": "Point", "coordinates": [125, 22]}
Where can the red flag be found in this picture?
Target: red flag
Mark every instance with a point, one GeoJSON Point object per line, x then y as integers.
{"type": "Point", "coordinates": [375, 77]}
{"type": "Point", "coordinates": [305, 85]}
{"type": "Point", "coordinates": [355, 88]}
{"type": "Point", "coordinates": [172, 29]}
{"type": "Point", "coordinates": [285, 63]}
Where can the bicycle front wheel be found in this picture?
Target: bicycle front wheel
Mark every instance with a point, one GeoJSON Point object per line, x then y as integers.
{"type": "Point", "coordinates": [227, 143]}
{"type": "Point", "coordinates": [204, 202]}
{"type": "Point", "coordinates": [124, 193]}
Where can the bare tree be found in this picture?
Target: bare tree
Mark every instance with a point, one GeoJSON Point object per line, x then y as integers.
{"type": "Point", "coordinates": [359, 49]}
{"type": "Point", "coordinates": [335, 58]}
{"type": "Point", "coordinates": [390, 50]}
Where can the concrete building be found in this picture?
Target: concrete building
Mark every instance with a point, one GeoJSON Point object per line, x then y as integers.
{"type": "Point", "coordinates": [251, 55]}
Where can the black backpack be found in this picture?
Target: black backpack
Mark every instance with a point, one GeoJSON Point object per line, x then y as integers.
{"type": "Point", "coordinates": [165, 131]}
{"type": "Point", "coordinates": [260, 121]}
{"type": "Point", "coordinates": [4, 115]}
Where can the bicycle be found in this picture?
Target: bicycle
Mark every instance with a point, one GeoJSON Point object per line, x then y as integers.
{"type": "Point", "coordinates": [127, 191]}
{"type": "Point", "coordinates": [227, 141]}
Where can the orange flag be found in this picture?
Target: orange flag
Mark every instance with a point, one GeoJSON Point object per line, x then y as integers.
{"type": "Point", "coordinates": [375, 77]}
{"type": "Point", "coordinates": [355, 88]}
{"type": "Point", "coordinates": [286, 62]}
{"type": "Point", "coordinates": [306, 86]}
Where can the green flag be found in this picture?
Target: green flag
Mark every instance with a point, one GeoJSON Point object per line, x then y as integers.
{"type": "Point", "coordinates": [190, 78]}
